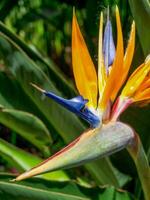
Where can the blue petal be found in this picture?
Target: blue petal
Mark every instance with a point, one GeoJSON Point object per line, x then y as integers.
{"type": "Point", "coordinates": [78, 102]}
{"type": "Point", "coordinates": [76, 105]}
{"type": "Point", "coordinates": [90, 117]}
{"type": "Point", "coordinates": [108, 45]}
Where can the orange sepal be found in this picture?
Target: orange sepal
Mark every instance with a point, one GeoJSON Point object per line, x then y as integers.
{"type": "Point", "coordinates": [83, 67]}
{"type": "Point", "coordinates": [102, 77]}
{"type": "Point", "coordinates": [136, 79]}
{"type": "Point", "coordinates": [145, 95]}
{"type": "Point", "coordinates": [127, 61]}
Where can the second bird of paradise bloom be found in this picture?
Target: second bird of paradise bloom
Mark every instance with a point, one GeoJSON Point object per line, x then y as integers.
{"type": "Point", "coordinates": [99, 102]}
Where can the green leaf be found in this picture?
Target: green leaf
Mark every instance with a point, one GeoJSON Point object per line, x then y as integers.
{"type": "Point", "coordinates": [6, 7]}
{"type": "Point", "coordinates": [141, 13]}
{"type": "Point", "coordinates": [28, 126]}
{"type": "Point", "coordinates": [26, 71]}
{"type": "Point", "coordinates": [23, 160]}
{"type": "Point", "coordinates": [40, 189]}
{"type": "Point", "coordinates": [19, 100]}
{"type": "Point", "coordinates": [61, 82]}
{"type": "Point", "coordinates": [17, 157]}
{"type": "Point", "coordinates": [109, 193]}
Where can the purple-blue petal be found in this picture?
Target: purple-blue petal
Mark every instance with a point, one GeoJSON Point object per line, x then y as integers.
{"type": "Point", "coordinates": [108, 45]}
{"type": "Point", "coordinates": [78, 106]}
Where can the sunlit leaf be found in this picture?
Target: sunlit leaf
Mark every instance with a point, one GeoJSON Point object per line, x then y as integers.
{"type": "Point", "coordinates": [28, 126]}
{"type": "Point", "coordinates": [39, 189]}
{"type": "Point", "coordinates": [141, 13]}
{"type": "Point", "coordinates": [23, 160]}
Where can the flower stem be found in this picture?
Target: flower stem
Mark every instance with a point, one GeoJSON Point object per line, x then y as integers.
{"type": "Point", "coordinates": [137, 152]}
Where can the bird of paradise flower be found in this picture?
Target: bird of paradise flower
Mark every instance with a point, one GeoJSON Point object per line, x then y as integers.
{"type": "Point", "coordinates": [99, 104]}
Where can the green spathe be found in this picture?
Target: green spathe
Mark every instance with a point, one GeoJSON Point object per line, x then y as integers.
{"type": "Point", "coordinates": [92, 144]}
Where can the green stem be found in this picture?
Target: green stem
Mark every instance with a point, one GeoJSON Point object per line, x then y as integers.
{"type": "Point", "coordinates": [137, 152]}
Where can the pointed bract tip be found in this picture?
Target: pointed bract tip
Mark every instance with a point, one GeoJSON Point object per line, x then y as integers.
{"type": "Point", "coordinates": [147, 60]}
{"type": "Point", "coordinates": [101, 15]}
{"type": "Point", "coordinates": [74, 11]}
{"type": "Point", "coordinates": [107, 12]}
{"type": "Point", "coordinates": [133, 23]}
{"type": "Point", "coordinates": [117, 9]}
{"type": "Point", "coordinates": [37, 87]}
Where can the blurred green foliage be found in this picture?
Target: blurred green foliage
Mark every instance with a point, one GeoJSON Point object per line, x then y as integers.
{"type": "Point", "coordinates": [35, 46]}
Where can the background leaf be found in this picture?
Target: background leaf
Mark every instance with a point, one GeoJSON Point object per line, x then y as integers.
{"type": "Point", "coordinates": [40, 189]}
{"type": "Point", "coordinates": [23, 160]}
{"type": "Point", "coordinates": [141, 13]}
{"type": "Point", "coordinates": [28, 126]}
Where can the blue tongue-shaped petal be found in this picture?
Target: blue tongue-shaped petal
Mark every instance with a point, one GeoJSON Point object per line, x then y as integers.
{"type": "Point", "coordinates": [76, 105]}
{"type": "Point", "coordinates": [79, 102]}
{"type": "Point", "coordinates": [108, 44]}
